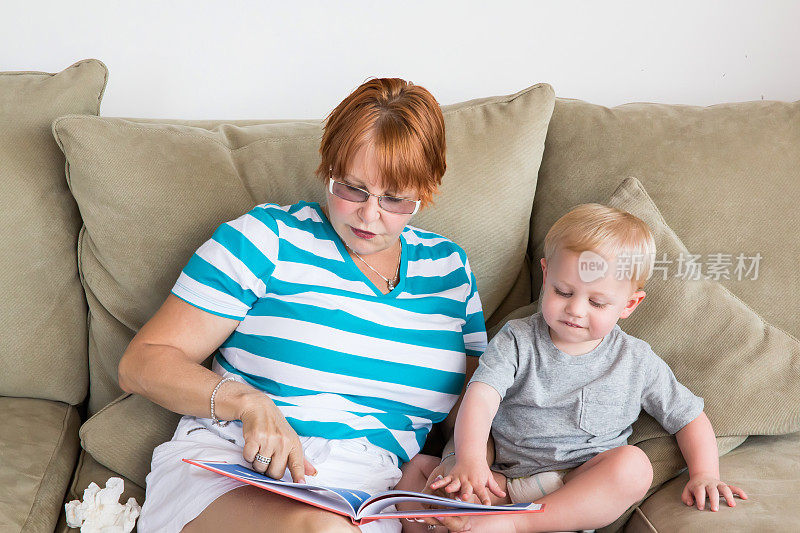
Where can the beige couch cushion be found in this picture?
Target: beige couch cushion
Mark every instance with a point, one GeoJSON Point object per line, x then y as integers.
{"type": "Point", "coordinates": [123, 435]}
{"type": "Point", "coordinates": [724, 176]}
{"type": "Point", "coordinates": [767, 468]}
{"type": "Point", "coordinates": [151, 192]}
{"type": "Point", "coordinates": [715, 344]}
{"type": "Point", "coordinates": [38, 450]}
{"type": "Point", "coordinates": [43, 316]}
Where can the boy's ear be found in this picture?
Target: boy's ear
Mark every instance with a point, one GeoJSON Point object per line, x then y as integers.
{"type": "Point", "coordinates": [632, 303]}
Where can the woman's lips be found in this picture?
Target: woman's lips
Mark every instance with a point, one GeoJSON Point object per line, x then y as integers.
{"type": "Point", "coordinates": [570, 324]}
{"type": "Point", "coordinates": [362, 234]}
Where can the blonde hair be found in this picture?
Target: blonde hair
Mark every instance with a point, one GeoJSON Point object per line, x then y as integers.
{"type": "Point", "coordinates": [610, 232]}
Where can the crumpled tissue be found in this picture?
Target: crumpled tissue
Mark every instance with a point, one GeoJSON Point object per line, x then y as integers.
{"type": "Point", "coordinates": [101, 512]}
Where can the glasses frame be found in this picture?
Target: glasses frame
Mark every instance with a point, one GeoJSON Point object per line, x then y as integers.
{"type": "Point", "coordinates": [378, 196]}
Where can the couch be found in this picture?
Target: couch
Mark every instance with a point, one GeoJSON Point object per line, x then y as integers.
{"type": "Point", "coordinates": [101, 213]}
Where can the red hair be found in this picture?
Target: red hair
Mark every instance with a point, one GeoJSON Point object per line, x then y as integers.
{"type": "Point", "coordinates": [403, 124]}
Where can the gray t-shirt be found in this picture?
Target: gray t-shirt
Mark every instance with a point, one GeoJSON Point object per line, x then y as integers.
{"type": "Point", "coordinates": [559, 410]}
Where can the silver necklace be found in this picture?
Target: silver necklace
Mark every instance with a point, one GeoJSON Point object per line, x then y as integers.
{"type": "Point", "coordinates": [389, 282]}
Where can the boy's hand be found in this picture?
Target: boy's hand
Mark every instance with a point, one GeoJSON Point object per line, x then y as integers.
{"type": "Point", "coordinates": [468, 477]}
{"type": "Point", "coordinates": [452, 523]}
{"type": "Point", "coordinates": [696, 489]}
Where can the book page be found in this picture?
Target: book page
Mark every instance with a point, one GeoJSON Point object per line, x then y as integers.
{"type": "Point", "coordinates": [451, 507]}
{"type": "Point", "coordinates": [359, 505]}
{"type": "Point", "coordinates": [339, 500]}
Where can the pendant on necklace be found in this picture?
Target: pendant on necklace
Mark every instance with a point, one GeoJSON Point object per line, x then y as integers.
{"type": "Point", "coordinates": [390, 283]}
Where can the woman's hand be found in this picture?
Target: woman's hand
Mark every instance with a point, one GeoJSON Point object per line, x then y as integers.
{"type": "Point", "coordinates": [267, 433]}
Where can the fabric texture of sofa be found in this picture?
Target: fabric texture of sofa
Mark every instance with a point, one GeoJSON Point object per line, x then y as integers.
{"type": "Point", "coordinates": [101, 214]}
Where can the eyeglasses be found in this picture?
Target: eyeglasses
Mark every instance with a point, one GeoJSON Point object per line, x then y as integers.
{"type": "Point", "coordinates": [392, 204]}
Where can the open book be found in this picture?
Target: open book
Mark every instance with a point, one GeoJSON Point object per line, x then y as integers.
{"type": "Point", "coordinates": [361, 506]}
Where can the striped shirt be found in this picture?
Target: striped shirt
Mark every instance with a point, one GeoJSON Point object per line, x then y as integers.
{"type": "Point", "coordinates": [338, 357]}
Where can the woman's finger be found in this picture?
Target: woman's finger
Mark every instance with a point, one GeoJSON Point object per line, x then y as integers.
{"type": "Point", "coordinates": [430, 521]}
{"type": "Point", "coordinates": [250, 449]}
{"type": "Point", "coordinates": [296, 463]}
{"type": "Point", "coordinates": [309, 469]}
{"type": "Point", "coordinates": [280, 457]}
{"type": "Point", "coordinates": [455, 523]}
{"type": "Point", "coordinates": [258, 464]}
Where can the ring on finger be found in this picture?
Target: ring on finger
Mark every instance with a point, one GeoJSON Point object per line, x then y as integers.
{"type": "Point", "coordinates": [261, 459]}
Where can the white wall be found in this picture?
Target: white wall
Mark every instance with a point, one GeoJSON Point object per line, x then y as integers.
{"type": "Point", "coordinates": [282, 59]}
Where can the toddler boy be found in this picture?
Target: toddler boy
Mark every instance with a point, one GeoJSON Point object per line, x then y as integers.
{"type": "Point", "coordinates": [560, 389]}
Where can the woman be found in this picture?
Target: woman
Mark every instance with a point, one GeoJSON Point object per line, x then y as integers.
{"type": "Point", "coordinates": [343, 332]}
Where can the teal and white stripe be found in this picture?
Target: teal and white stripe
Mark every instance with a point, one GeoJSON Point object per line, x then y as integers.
{"type": "Point", "coordinates": [339, 358]}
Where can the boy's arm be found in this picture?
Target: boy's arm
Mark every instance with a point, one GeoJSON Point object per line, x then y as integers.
{"type": "Point", "coordinates": [474, 421]}
{"type": "Point", "coordinates": [449, 423]}
{"type": "Point", "coordinates": [698, 445]}
{"type": "Point", "coordinates": [471, 472]}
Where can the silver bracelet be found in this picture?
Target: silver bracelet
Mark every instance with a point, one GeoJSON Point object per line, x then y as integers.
{"type": "Point", "coordinates": [446, 457]}
{"type": "Point", "coordinates": [215, 420]}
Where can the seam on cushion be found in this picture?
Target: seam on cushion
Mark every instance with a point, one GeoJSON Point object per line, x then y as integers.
{"type": "Point", "coordinates": [131, 125]}
{"type": "Point", "coordinates": [272, 140]}
{"type": "Point", "coordinates": [82, 279]}
{"type": "Point", "coordinates": [81, 236]}
{"type": "Point", "coordinates": [647, 522]}
{"type": "Point", "coordinates": [505, 100]}
{"type": "Point", "coordinates": [60, 144]}
{"type": "Point", "coordinates": [111, 404]}
{"type": "Point", "coordinates": [49, 463]}
{"type": "Point", "coordinates": [23, 72]}
{"type": "Point", "coordinates": [85, 426]}
{"type": "Point", "coordinates": [105, 84]}
{"type": "Point", "coordinates": [81, 62]}
{"type": "Point", "coordinates": [764, 323]}
{"type": "Point", "coordinates": [71, 492]}
{"type": "Point", "coordinates": [134, 126]}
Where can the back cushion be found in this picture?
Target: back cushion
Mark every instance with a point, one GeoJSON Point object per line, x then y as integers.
{"type": "Point", "coordinates": [43, 350]}
{"type": "Point", "coordinates": [151, 192]}
{"type": "Point", "coordinates": [725, 178]}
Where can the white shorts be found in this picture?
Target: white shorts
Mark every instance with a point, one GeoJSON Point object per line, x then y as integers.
{"type": "Point", "coordinates": [177, 492]}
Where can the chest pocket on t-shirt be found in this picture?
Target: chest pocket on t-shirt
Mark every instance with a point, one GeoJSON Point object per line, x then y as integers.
{"type": "Point", "coordinates": [602, 411]}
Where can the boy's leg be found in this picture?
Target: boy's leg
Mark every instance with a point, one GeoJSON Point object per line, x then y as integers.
{"type": "Point", "coordinates": [594, 495]}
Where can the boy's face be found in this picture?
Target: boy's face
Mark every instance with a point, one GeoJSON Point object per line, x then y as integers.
{"type": "Point", "coordinates": [581, 310]}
